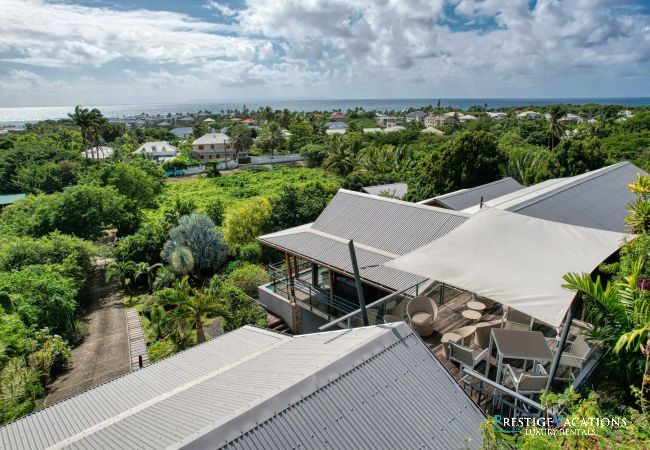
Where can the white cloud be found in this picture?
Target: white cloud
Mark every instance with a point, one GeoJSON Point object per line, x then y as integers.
{"type": "Point", "coordinates": [221, 8]}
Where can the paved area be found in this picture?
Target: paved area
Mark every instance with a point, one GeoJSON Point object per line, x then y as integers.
{"type": "Point", "coordinates": [104, 353]}
{"type": "Point", "coordinates": [137, 344]}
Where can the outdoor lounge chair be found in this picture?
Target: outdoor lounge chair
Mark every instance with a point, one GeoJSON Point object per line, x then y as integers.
{"type": "Point", "coordinates": [483, 331]}
{"type": "Point", "coordinates": [465, 356]}
{"type": "Point", "coordinates": [422, 313]}
{"type": "Point", "coordinates": [516, 320]}
{"type": "Point", "coordinates": [466, 334]}
{"type": "Point", "coordinates": [527, 383]}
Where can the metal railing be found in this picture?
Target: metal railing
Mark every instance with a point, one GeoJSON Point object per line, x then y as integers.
{"type": "Point", "coordinates": [496, 399]}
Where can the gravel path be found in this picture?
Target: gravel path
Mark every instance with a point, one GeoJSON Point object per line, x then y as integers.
{"type": "Point", "coordinates": [104, 353]}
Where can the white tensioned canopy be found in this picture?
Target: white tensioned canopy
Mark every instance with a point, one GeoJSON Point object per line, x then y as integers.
{"type": "Point", "coordinates": [516, 260]}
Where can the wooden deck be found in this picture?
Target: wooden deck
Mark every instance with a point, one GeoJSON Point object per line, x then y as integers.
{"type": "Point", "coordinates": [137, 343]}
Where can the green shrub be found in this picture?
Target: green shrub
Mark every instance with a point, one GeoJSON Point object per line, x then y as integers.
{"type": "Point", "coordinates": [165, 278]}
{"type": "Point", "coordinates": [214, 210]}
{"type": "Point", "coordinates": [251, 252]}
{"type": "Point", "coordinates": [248, 278]}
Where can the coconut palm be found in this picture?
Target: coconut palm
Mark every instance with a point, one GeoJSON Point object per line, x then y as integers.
{"type": "Point", "coordinates": [92, 123]}
{"type": "Point", "coordinates": [555, 126]}
{"type": "Point", "coordinates": [271, 137]}
{"type": "Point", "coordinates": [241, 137]}
{"type": "Point", "coordinates": [377, 159]}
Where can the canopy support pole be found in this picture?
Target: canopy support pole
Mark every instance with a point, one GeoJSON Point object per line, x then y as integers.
{"type": "Point", "coordinates": [560, 348]}
{"type": "Point", "coordinates": [357, 281]}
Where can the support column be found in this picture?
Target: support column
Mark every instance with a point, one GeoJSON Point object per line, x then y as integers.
{"type": "Point", "coordinates": [290, 289]}
{"type": "Point", "coordinates": [560, 348]}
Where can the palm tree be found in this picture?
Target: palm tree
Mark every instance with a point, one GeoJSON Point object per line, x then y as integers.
{"type": "Point", "coordinates": [341, 158]}
{"type": "Point", "coordinates": [620, 313]}
{"type": "Point", "coordinates": [555, 127]}
{"type": "Point", "coordinates": [144, 269]}
{"type": "Point", "coordinates": [92, 123]}
{"type": "Point", "coordinates": [271, 137]}
{"type": "Point", "coordinates": [122, 270]}
{"type": "Point", "coordinates": [241, 137]}
{"type": "Point", "coordinates": [639, 218]}
{"type": "Point", "coordinates": [181, 260]}
{"type": "Point", "coordinates": [377, 159]}
{"type": "Point", "coordinates": [191, 306]}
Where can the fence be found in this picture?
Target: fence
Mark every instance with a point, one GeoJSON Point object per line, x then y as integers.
{"type": "Point", "coordinates": [276, 159]}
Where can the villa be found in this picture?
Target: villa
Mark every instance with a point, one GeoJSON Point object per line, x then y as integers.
{"type": "Point", "coordinates": [466, 198]}
{"type": "Point", "coordinates": [416, 116]}
{"type": "Point", "coordinates": [336, 127]}
{"type": "Point", "coordinates": [466, 118]}
{"type": "Point", "coordinates": [497, 115]}
{"type": "Point", "coordinates": [337, 116]}
{"type": "Point", "coordinates": [182, 132]}
{"type": "Point", "coordinates": [160, 151]}
{"type": "Point", "coordinates": [213, 146]}
{"type": "Point", "coordinates": [447, 119]}
{"type": "Point", "coordinates": [387, 121]}
{"type": "Point", "coordinates": [528, 115]}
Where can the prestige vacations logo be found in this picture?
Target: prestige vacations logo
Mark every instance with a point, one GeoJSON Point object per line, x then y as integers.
{"type": "Point", "coordinates": [555, 425]}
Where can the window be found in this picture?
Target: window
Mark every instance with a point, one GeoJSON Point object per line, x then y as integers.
{"type": "Point", "coordinates": [202, 156]}
{"type": "Point", "coordinates": [209, 156]}
{"type": "Point", "coordinates": [200, 147]}
{"type": "Point", "coordinates": [212, 146]}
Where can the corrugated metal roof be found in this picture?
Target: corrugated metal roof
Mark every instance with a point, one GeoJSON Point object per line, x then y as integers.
{"type": "Point", "coordinates": [387, 224]}
{"type": "Point", "coordinates": [596, 199]}
{"type": "Point", "coordinates": [395, 189]}
{"type": "Point", "coordinates": [464, 198]}
{"type": "Point", "coordinates": [362, 388]}
{"type": "Point", "coordinates": [334, 253]}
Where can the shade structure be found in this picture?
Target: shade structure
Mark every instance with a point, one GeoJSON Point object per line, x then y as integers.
{"type": "Point", "coordinates": [516, 260]}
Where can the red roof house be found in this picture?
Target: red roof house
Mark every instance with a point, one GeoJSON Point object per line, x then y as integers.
{"type": "Point", "coordinates": [337, 116]}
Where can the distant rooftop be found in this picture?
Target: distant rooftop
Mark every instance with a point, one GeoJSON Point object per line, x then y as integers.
{"type": "Point", "coordinates": [211, 138]}
{"type": "Point", "coordinates": [465, 198]}
{"type": "Point", "coordinates": [8, 199]}
{"type": "Point", "coordinates": [253, 388]}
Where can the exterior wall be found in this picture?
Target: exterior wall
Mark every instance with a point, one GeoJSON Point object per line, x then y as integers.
{"type": "Point", "coordinates": [209, 152]}
{"type": "Point", "coordinates": [311, 322]}
{"type": "Point", "coordinates": [277, 305]}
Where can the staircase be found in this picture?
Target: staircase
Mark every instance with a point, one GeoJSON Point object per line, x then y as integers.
{"type": "Point", "coordinates": [276, 323]}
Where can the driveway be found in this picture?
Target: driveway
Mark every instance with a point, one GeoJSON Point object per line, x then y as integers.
{"type": "Point", "coordinates": [104, 353]}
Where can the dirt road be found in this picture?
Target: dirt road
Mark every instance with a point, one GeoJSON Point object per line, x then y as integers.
{"type": "Point", "coordinates": [104, 353]}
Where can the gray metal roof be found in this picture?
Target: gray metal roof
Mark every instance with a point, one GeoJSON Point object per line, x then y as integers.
{"type": "Point", "coordinates": [362, 388]}
{"type": "Point", "coordinates": [335, 253]}
{"type": "Point", "coordinates": [394, 189]}
{"type": "Point", "coordinates": [596, 199]}
{"type": "Point", "coordinates": [464, 198]}
{"type": "Point", "coordinates": [387, 224]}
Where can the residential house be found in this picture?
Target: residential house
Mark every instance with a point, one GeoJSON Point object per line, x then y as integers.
{"type": "Point", "coordinates": [182, 132]}
{"type": "Point", "coordinates": [497, 115]}
{"type": "Point", "coordinates": [337, 116]}
{"type": "Point", "coordinates": [387, 121]}
{"type": "Point", "coordinates": [466, 198]}
{"type": "Point", "coordinates": [160, 151]}
{"type": "Point", "coordinates": [336, 127]}
{"type": "Point", "coordinates": [212, 146]}
{"type": "Point", "coordinates": [528, 115]}
{"type": "Point", "coordinates": [372, 387]}
{"type": "Point", "coordinates": [433, 130]}
{"type": "Point", "coordinates": [466, 118]}
{"type": "Point", "coordinates": [432, 120]}
{"type": "Point", "coordinates": [570, 117]}
{"type": "Point", "coordinates": [185, 119]}
{"type": "Point", "coordinates": [394, 190]}
{"type": "Point", "coordinates": [394, 128]}
{"type": "Point", "coordinates": [596, 199]}
{"type": "Point", "coordinates": [416, 116]}
{"type": "Point", "coordinates": [249, 121]}
{"type": "Point", "coordinates": [209, 120]}
{"type": "Point", "coordinates": [320, 284]}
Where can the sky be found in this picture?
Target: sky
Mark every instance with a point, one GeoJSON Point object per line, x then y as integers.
{"type": "Point", "coordinates": [66, 52]}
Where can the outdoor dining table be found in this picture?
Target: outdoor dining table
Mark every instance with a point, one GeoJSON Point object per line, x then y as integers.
{"type": "Point", "coordinates": [515, 344]}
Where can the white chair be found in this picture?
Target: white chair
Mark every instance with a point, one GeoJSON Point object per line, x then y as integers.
{"type": "Point", "coordinates": [465, 356]}
{"type": "Point", "coordinates": [527, 383]}
{"type": "Point", "coordinates": [576, 355]}
{"type": "Point", "coordinates": [516, 320]}
{"type": "Point", "coordinates": [422, 313]}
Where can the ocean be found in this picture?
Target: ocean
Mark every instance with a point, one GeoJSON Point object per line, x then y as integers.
{"type": "Point", "coordinates": [17, 116]}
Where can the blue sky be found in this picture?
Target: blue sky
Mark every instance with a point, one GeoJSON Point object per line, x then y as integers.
{"type": "Point", "coordinates": [64, 52]}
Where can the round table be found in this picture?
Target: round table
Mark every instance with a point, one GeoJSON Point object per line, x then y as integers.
{"type": "Point", "coordinates": [471, 314]}
{"type": "Point", "coordinates": [445, 340]}
{"type": "Point", "coordinates": [477, 306]}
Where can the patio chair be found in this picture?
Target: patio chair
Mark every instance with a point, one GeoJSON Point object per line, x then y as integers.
{"type": "Point", "coordinates": [422, 313]}
{"type": "Point", "coordinates": [483, 331]}
{"type": "Point", "coordinates": [516, 320]}
{"type": "Point", "coordinates": [466, 334]}
{"type": "Point", "coordinates": [527, 383]}
{"type": "Point", "coordinates": [465, 356]}
{"type": "Point", "coordinates": [576, 355]}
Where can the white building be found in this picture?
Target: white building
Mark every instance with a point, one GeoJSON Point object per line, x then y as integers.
{"type": "Point", "coordinates": [387, 121]}
{"type": "Point", "coordinates": [528, 115]}
{"type": "Point", "coordinates": [497, 115]}
{"type": "Point", "coordinates": [100, 152]}
{"type": "Point", "coordinates": [466, 118]}
{"type": "Point", "coordinates": [212, 146]}
{"type": "Point", "coordinates": [159, 151]}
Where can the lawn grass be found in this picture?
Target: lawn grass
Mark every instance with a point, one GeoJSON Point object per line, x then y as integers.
{"type": "Point", "coordinates": [234, 188]}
